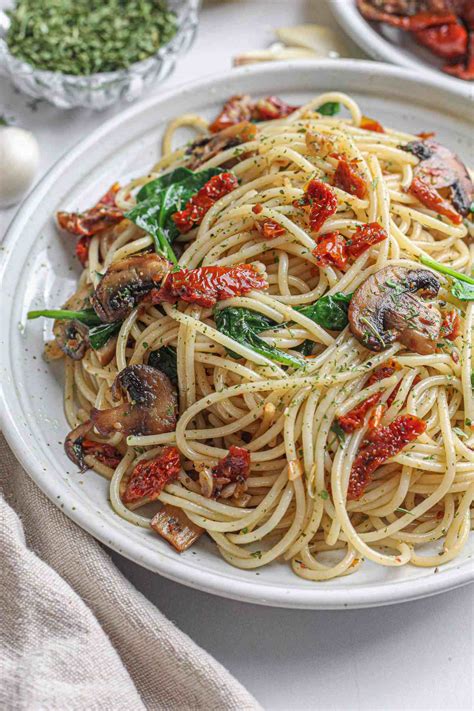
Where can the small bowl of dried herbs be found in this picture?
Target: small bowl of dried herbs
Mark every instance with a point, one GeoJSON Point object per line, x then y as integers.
{"type": "Point", "coordinates": [92, 53]}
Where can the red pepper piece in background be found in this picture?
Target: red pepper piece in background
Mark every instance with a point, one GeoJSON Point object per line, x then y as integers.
{"type": "Point", "coordinates": [331, 249]}
{"type": "Point", "coordinates": [200, 203]}
{"type": "Point", "coordinates": [104, 453]}
{"type": "Point", "coordinates": [365, 237]}
{"type": "Point", "coordinates": [348, 178]}
{"type": "Point", "coordinates": [382, 444]}
{"type": "Point", "coordinates": [430, 198]}
{"type": "Point", "coordinates": [370, 124]}
{"type": "Point", "coordinates": [235, 466]}
{"type": "Point", "coordinates": [96, 219]}
{"type": "Point", "coordinates": [451, 325]}
{"type": "Point", "coordinates": [322, 203]}
{"type": "Point", "coordinates": [464, 69]}
{"type": "Point", "coordinates": [269, 229]}
{"type": "Point", "coordinates": [150, 476]}
{"type": "Point", "coordinates": [207, 285]}
{"type": "Point", "coordinates": [446, 41]}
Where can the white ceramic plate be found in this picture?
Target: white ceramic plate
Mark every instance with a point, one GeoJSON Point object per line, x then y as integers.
{"type": "Point", "coordinates": [39, 270]}
{"type": "Point", "coordinates": [389, 44]}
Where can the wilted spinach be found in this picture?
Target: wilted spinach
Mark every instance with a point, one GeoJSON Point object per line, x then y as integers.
{"type": "Point", "coordinates": [329, 311]}
{"type": "Point", "coordinates": [165, 359]}
{"type": "Point", "coordinates": [159, 199]}
{"type": "Point", "coordinates": [462, 286]}
{"type": "Point", "coordinates": [243, 325]}
{"type": "Point", "coordinates": [330, 108]}
{"type": "Point", "coordinates": [99, 333]}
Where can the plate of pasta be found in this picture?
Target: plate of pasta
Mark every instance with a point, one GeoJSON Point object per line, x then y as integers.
{"type": "Point", "coordinates": [238, 335]}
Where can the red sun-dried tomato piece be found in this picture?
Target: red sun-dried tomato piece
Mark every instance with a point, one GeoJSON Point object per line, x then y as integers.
{"type": "Point", "coordinates": [269, 229]}
{"type": "Point", "coordinates": [235, 466]}
{"type": "Point", "coordinates": [370, 124]}
{"type": "Point", "coordinates": [82, 249]}
{"type": "Point", "coordinates": [331, 249]}
{"type": "Point", "coordinates": [150, 476]}
{"type": "Point", "coordinates": [381, 444]}
{"type": "Point", "coordinates": [207, 285]}
{"type": "Point", "coordinates": [322, 203]}
{"type": "Point", "coordinates": [446, 41]}
{"type": "Point", "coordinates": [430, 198]}
{"type": "Point", "coordinates": [242, 108]}
{"type": "Point", "coordinates": [104, 453]}
{"type": "Point", "coordinates": [348, 178]}
{"type": "Point", "coordinates": [98, 218]}
{"type": "Point", "coordinates": [200, 203]}
{"type": "Point", "coordinates": [451, 325]}
{"type": "Point", "coordinates": [271, 108]}
{"type": "Point", "coordinates": [354, 419]}
{"type": "Point", "coordinates": [365, 237]}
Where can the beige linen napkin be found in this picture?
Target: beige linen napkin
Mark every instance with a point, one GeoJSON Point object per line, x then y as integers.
{"type": "Point", "coordinates": [75, 634]}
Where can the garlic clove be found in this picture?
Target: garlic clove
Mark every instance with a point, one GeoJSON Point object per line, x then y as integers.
{"type": "Point", "coordinates": [19, 162]}
{"type": "Point", "coordinates": [324, 41]}
{"type": "Point", "coordinates": [273, 55]}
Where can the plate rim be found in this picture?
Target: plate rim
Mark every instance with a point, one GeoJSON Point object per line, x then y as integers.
{"type": "Point", "coordinates": [319, 597]}
{"type": "Point", "coordinates": [363, 33]}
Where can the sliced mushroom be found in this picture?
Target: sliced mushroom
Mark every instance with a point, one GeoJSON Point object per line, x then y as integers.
{"type": "Point", "coordinates": [106, 352]}
{"type": "Point", "coordinates": [126, 283]}
{"type": "Point", "coordinates": [73, 444]}
{"type": "Point", "coordinates": [385, 309]}
{"type": "Point", "coordinates": [174, 526]}
{"type": "Point", "coordinates": [443, 170]}
{"type": "Point", "coordinates": [72, 336]}
{"type": "Point", "coordinates": [206, 148]}
{"type": "Point", "coordinates": [151, 407]}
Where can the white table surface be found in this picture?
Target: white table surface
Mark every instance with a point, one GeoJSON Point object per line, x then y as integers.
{"type": "Point", "coordinates": [412, 656]}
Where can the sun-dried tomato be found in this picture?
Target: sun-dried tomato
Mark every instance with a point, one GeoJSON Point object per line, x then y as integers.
{"type": "Point", "coordinates": [104, 453]}
{"type": "Point", "coordinates": [365, 237]}
{"type": "Point", "coordinates": [347, 177]}
{"type": "Point", "coordinates": [150, 476]}
{"type": "Point", "coordinates": [381, 444]}
{"type": "Point", "coordinates": [425, 135]}
{"type": "Point", "coordinates": [451, 325]}
{"type": "Point", "coordinates": [447, 41]}
{"type": "Point", "coordinates": [242, 108]}
{"type": "Point", "coordinates": [271, 108]}
{"type": "Point", "coordinates": [322, 203]}
{"type": "Point", "coordinates": [200, 203]}
{"type": "Point", "coordinates": [207, 285]}
{"type": "Point", "coordinates": [269, 229]}
{"type": "Point", "coordinates": [235, 466]}
{"type": "Point", "coordinates": [96, 219]}
{"type": "Point", "coordinates": [331, 250]}
{"type": "Point", "coordinates": [257, 208]}
{"type": "Point", "coordinates": [82, 249]}
{"type": "Point", "coordinates": [370, 124]}
{"type": "Point", "coordinates": [385, 371]}
{"type": "Point", "coordinates": [354, 419]}
{"type": "Point", "coordinates": [430, 198]}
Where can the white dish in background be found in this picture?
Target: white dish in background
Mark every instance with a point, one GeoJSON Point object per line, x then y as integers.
{"type": "Point", "coordinates": [39, 270]}
{"type": "Point", "coordinates": [389, 44]}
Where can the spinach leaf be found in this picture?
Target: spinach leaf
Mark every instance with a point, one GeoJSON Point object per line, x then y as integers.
{"type": "Point", "coordinates": [242, 325]}
{"type": "Point", "coordinates": [330, 108]}
{"type": "Point", "coordinates": [99, 335]}
{"type": "Point", "coordinates": [87, 316]}
{"type": "Point", "coordinates": [462, 287]}
{"type": "Point", "coordinates": [159, 199]}
{"type": "Point", "coordinates": [329, 311]}
{"type": "Point", "coordinates": [306, 348]}
{"type": "Point", "coordinates": [165, 359]}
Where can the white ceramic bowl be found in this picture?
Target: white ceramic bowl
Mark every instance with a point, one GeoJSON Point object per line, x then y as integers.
{"type": "Point", "coordinates": [39, 270]}
{"type": "Point", "coordinates": [388, 44]}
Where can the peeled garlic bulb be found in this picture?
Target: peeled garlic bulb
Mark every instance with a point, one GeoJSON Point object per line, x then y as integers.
{"type": "Point", "coordinates": [19, 161]}
{"type": "Point", "coordinates": [323, 41]}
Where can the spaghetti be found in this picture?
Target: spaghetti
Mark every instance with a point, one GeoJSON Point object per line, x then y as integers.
{"type": "Point", "coordinates": [312, 422]}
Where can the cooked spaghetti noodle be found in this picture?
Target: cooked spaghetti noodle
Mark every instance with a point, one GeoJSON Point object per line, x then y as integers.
{"type": "Point", "coordinates": [294, 505]}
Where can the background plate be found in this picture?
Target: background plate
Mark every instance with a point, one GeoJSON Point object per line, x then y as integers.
{"type": "Point", "coordinates": [389, 44]}
{"type": "Point", "coordinates": [39, 270]}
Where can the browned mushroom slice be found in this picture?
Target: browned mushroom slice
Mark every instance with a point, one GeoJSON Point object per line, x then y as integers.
{"type": "Point", "coordinates": [206, 148]}
{"type": "Point", "coordinates": [173, 525]}
{"type": "Point", "coordinates": [126, 283]}
{"type": "Point", "coordinates": [106, 352]}
{"type": "Point", "coordinates": [73, 336]}
{"type": "Point", "coordinates": [73, 444]}
{"type": "Point", "coordinates": [444, 171]}
{"type": "Point", "coordinates": [151, 407]}
{"type": "Point", "coordinates": [385, 308]}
